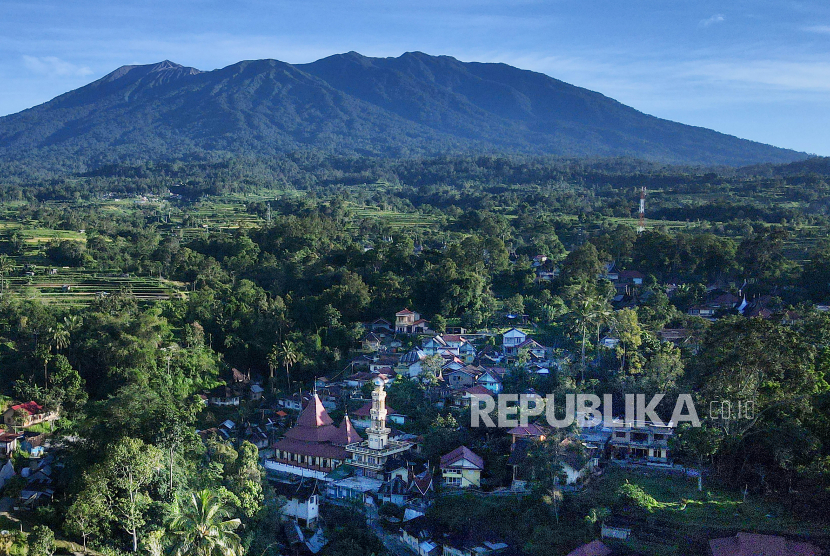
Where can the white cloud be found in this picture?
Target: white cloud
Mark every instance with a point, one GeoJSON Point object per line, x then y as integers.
{"type": "Point", "coordinates": [717, 18]}
{"type": "Point", "coordinates": [53, 66]}
{"type": "Point", "coordinates": [805, 76]}
{"type": "Point", "coordinates": [818, 29]}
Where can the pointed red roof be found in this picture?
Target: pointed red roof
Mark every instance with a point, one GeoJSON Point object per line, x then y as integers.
{"type": "Point", "coordinates": [314, 414]}
{"type": "Point", "coordinates": [346, 433]}
{"type": "Point", "coordinates": [314, 424]}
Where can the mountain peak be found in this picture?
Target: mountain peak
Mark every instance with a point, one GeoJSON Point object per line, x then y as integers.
{"type": "Point", "coordinates": [138, 71]}
{"type": "Point", "coordinates": [412, 105]}
{"type": "Point", "coordinates": [166, 64]}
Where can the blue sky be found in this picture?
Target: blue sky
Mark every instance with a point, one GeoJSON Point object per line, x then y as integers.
{"type": "Point", "coordinates": [758, 69]}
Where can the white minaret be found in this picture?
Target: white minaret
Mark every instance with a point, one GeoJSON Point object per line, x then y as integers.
{"type": "Point", "coordinates": [378, 432]}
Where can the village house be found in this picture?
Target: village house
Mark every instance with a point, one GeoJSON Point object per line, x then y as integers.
{"type": "Point", "coordinates": [511, 340]}
{"type": "Point", "coordinates": [27, 414]}
{"type": "Point", "coordinates": [464, 398]}
{"type": "Point", "coordinates": [410, 322]}
{"type": "Point", "coordinates": [9, 442]}
{"type": "Point", "coordinates": [530, 431]}
{"type": "Point", "coordinates": [394, 491]}
{"type": "Point", "coordinates": [371, 342]}
{"type": "Point", "coordinates": [223, 395]}
{"type": "Point", "coordinates": [256, 392]}
{"type": "Point", "coordinates": [534, 349]}
{"type": "Point", "coordinates": [461, 468]}
{"type": "Point", "coordinates": [410, 363]}
{"type": "Point", "coordinates": [381, 361]}
{"type": "Point", "coordinates": [491, 379]}
{"type": "Point", "coordinates": [703, 311]}
{"type": "Point", "coordinates": [632, 277]}
{"type": "Point", "coordinates": [641, 440]}
{"type": "Point", "coordinates": [294, 402]}
{"type": "Point", "coordinates": [454, 344]}
{"type": "Point", "coordinates": [461, 378]}
{"type": "Point", "coordinates": [302, 501]}
{"type": "Point", "coordinates": [380, 326]}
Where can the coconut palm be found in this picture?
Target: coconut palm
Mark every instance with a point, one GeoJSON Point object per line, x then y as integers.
{"type": "Point", "coordinates": [201, 528]}
{"type": "Point", "coordinates": [59, 337]}
{"type": "Point", "coordinates": [288, 354]}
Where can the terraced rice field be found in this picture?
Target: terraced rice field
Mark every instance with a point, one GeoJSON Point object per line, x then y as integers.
{"type": "Point", "coordinates": [77, 286]}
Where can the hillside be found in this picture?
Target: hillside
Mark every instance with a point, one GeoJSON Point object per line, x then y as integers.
{"type": "Point", "coordinates": [412, 105]}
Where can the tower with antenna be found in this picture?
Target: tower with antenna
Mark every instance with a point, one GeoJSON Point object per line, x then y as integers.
{"type": "Point", "coordinates": [641, 227]}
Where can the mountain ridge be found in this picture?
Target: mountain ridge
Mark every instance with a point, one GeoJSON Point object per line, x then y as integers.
{"type": "Point", "coordinates": [412, 105]}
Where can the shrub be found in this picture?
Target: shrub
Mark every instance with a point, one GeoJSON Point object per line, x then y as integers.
{"type": "Point", "coordinates": [634, 496]}
{"type": "Point", "coordinates": [41, 541]}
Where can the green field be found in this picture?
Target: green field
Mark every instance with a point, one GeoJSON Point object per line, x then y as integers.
{"type": "Point", "coordinates": [686, 515]}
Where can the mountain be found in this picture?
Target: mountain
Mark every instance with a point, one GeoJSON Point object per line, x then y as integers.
{"type": "Point", "coordinates": [412, 105]}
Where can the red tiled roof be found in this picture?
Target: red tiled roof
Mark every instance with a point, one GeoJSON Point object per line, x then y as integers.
{"type": "Point", "coordinates": [462, 452]}
{"type": "Point", "coordinates": [478, 390]}
{"type": "Point", "coordinates": [404, 312]}
{"type": "Point", "coordinates": [453, 338]}
{"type": "Point", "coordinates": [593, 548]}
{"type": "Point", "coordinates": [314, 415]}
{"type": "Point", "coordinates": [346, 433]}
{"type": "Point", "coordinates": [314, 424]}
{"type": "Point", "coordinates": [32, 408]}
{"type": "Point", "coordinates": [530, 430]}
{"type": "Point", "coordinates": [752, 544]}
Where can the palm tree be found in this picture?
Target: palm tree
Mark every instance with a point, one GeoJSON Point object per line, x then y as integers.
{"type": "Point", "coordinates": [59, 336]}
{"type": "Point", "coordinates": [288, 354]}
{"type": "Point", "coordinates": [201, 528]}
{"type": "Point", "coordinates": [273, 359]}
{"type": "Point", "coordinates": [583, 315]}
{"type": "Point", "coordinates": [73, 323]}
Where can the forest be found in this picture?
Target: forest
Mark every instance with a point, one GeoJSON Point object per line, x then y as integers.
{"type": "Point", "coordinates": [272, 267]}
